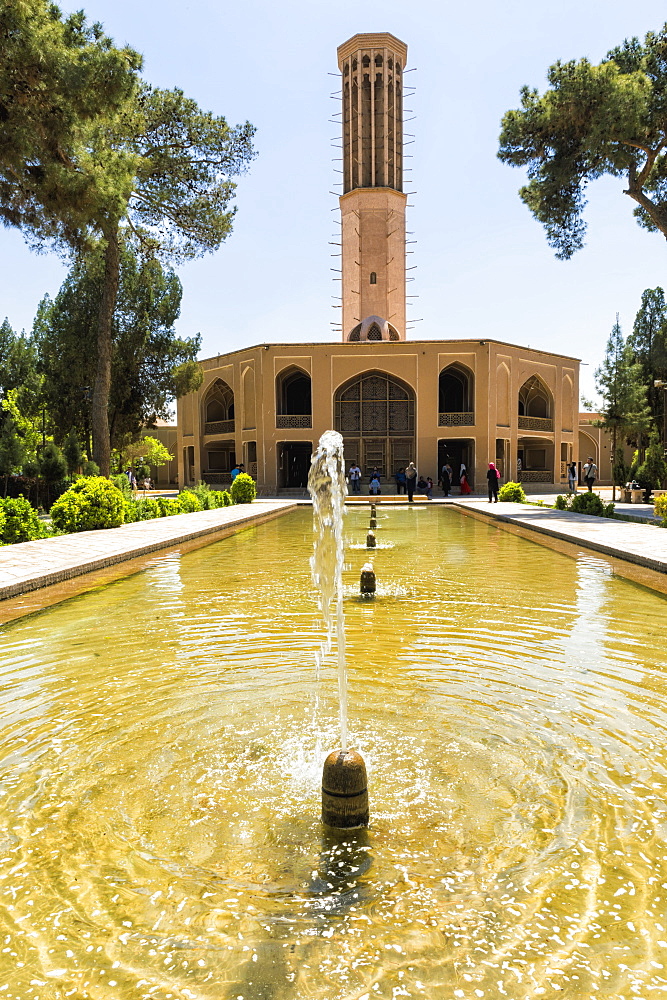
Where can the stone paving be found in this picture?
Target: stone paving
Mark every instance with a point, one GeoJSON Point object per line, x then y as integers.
{"type": "Point", "coordinates": [642, 544]}
{"type": "Point", "coordinates": [47, 561]}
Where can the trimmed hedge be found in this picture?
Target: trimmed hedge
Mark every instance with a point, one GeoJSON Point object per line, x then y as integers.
{"type": "Point", "coordinates": [19, 521]}
{"type": "Point", "coordinates": [243, 489]}
{"type": "Point", "coordinates": [585, 503]}
{"type": "Point", "coordinates": [91, 502]}
{"type": "Point", "coordinates": [511, 493]}
{"type": "Point", "coordinates": [660, 509]}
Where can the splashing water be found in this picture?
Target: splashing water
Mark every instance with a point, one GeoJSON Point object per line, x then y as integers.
{"type": "Point", "coordinates": [326, 485]}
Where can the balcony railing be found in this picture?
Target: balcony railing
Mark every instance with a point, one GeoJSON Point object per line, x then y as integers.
{"type": "Point", "coordinates": [536, 424]}
{"type": "Point", "coordinates": [536, 476]}
{"type": "Point", "coordinates": [217, 478]}
{"type": "Point", "coordinates": [466, 419]}
{"type": "Point", "coordinates": [294, 420]}
{"type": "Point", "coordinates": [219, 427]}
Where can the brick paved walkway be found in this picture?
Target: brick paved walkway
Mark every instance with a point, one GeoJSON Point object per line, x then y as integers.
{"type": "Point", "coordinates": [47, 561]}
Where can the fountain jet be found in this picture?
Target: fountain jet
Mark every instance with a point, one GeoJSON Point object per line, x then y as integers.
{"type": "Point", "coordinates": [344, 792]}
{"type": "Point", "coordinates": [367, 579]}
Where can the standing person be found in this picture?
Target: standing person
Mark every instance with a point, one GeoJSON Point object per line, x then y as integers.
{"type": "Point", "coordinates": [572, 477]}
{"type": "Point", "coordinates": [355, 477]}
{"type": "Point", "coordinates": [446, 478]}
{"type": "Point", "coordinates": [462, 472]}
{"type": "Point", "coordinates": [492, 477]}
{"type": "Point", "coordinates": [590, 474]}
{"type": "Point", "coordinates": [374, 485]}
{"type": "Point", "coordinates": [411, 481]}
{"type": "Point", "coordinates": [465, 486]}
{"type": "Point", "coordinates": [235, 471]}
{"type": "Point", "coordinates": [400, 481]}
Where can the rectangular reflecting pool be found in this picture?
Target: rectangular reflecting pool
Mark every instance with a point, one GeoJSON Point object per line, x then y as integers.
{"type": "Point", "coordinates": [161, 756]}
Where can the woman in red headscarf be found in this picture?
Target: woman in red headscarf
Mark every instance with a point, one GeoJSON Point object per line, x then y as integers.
{"type": "Point", "coordinates": [492, 478]}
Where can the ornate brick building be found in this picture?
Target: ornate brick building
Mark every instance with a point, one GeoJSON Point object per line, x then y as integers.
{"type": "Point", "coordinates": [393, 400]}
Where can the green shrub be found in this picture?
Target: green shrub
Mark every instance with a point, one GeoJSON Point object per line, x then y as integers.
{"type": "Point", "coordinates": [168, 507]}
{"type": "Point", "coordinates": [122, 483]}
{"type": "Point", "coordinates": [660, 509]}
{"type": "Point", "coordinates": [90, 468]}
{"type": "Point", "coordinates": [587, 503]}
{"type": "Point", "coordinates": [19, 522]}
{"type": "Point", "coordinates": [204, 494]}
{"type": "Point", "coordinates": [562, 503]}
{"type": "Point", "coordinates": [189, 502]}
{"type": "Point", "coordinates": [609, 509]}
{"type": "Point", "coordinates": [131, 511]}
{"type": "Point", "coordinates": [243, 489]}
{"type": "Point", "coordinates": [149, 509]}
{"type": "Point", "coordinates": [512, 493]}
{"type": "Point", "coordinates": [90, 502]}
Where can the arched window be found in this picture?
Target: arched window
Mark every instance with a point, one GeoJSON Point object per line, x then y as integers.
{"type": "Point", "coordinates": [455, 389]}
{"type": "Point", "coordinates": [218, 405]}
{"type": "Point", "coordinates": [375, 413]}
{"type": "Point", "coordinates": [374, 332]}
{"type": "Point", "coordinates": [534, 399]}
{"type": "Point", "coordinates": [293, 392]}
{"type": "Point", "coordinates": [374, 278]}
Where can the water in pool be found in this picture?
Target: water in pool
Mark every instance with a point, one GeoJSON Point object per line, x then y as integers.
{"type": "Point", "coordinates": [160, 769]}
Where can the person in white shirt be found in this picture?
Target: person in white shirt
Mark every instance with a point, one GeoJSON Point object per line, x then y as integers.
{"type": "Point", "coordinates": [590, 474]}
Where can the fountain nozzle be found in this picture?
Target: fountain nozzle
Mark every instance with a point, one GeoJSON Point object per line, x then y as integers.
{"type": "Point", "coordinates": [344, 790]}
{"type": "Point", "coordinates": [367, 579]}
{"type": "Point", "coordinates": [370, 540]}
{"type": "Point", "coordinates": [373, 522]}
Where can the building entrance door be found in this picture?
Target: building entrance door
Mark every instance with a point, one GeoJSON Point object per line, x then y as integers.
{"type": "Point", "coordinates": [295, 464]}
{"type": "Point", "coordinates": [457, 452]}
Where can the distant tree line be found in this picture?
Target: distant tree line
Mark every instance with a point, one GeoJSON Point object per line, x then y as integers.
{"type": "Point", "coordinates": [633, 406]}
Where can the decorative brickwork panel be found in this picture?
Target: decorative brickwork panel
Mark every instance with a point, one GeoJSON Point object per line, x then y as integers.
{"type": "Point", "coordinates": [536, 476]}
{"type": "Point", "coordinates": [536, 424]}
{"type": "Point", "coordinates": [294, 420]}
{"type": "Point", "coordinates": [217, 478]}
{"type": "Point", "coordinates": [219, 427]}
{"type": "Point", "coordinates": [456, 419]}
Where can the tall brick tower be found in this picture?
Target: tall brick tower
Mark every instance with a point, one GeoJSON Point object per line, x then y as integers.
{"type": "Point", "coordinates": [373, 204]}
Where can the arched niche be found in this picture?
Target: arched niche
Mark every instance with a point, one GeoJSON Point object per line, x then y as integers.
{"type": "Point", "coordinates": [456, 389]}
{"type": "Point", "coordinates": [248, 384]}
{"type": "Point", "coordinates": [218, 407]}
{"type": "Point", "coordinates": [293, 392]}
{"type": "Point", "coordinates": [502, 395]}
{"type": "Point", "coordinates": [567, 397]}
{"type": "Point", "coordinates": [535, 400]}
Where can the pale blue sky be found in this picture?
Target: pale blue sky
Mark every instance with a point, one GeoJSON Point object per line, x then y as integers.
{"type": "Point", "coordinates": [484, 267]}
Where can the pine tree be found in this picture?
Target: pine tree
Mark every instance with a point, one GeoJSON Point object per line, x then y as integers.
{"type": "Point", "coordinates": [619, 382]}
{"type": "Point", "coordinates": [11, 449]}
{"type": "Point", "coordinates": [648, 345]}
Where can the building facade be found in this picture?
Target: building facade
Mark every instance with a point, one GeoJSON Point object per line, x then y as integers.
{"type": "Point", "coordinates": [393, 400]}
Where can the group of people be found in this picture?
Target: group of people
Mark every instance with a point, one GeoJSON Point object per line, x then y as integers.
{"type": "Point", "coordinates": [408, 481]}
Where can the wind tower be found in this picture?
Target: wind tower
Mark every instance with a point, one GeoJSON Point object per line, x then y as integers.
{"type": "Point", "coordinates": [373, 203]}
